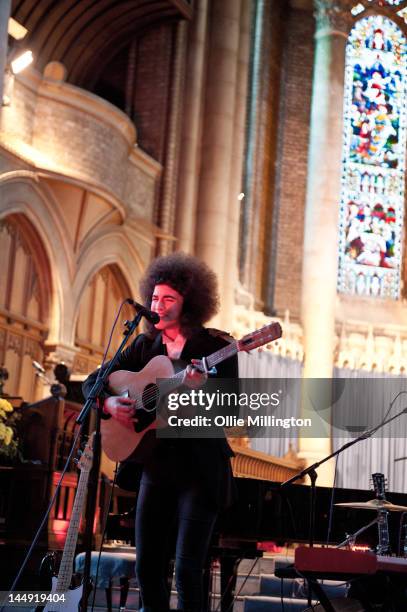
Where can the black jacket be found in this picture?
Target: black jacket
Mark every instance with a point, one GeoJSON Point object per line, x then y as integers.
{"type": "Point", "coordinates": [211, 456]}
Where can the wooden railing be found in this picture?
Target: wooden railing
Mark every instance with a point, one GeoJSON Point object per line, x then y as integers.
{"type": "Point", "coordinates": [249, 463]}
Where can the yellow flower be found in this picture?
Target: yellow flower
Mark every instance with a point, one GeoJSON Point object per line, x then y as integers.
{"type": "Point", "coordinates": [2, 414]}
{"type": "Point", "coordinates": [5, 405]}
{"type": "Point", "coordinates": [8, 436]}
{"type": "Point", "coordinates": [2, 431]}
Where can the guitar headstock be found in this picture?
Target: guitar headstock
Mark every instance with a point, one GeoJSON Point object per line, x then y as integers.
{"type": "Point", "coordinates": [86, 458]}
{"type": "Point", "coordinates": [379, 485]}
{"type": "Point", "coordinates": [262, 336]}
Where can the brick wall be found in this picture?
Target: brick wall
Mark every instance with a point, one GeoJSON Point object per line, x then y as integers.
{"type": "Point", "coordinates": [79, 141]}
{"type": "Point", "coordinates": [74, 132]}
{"type": "Point", "coordinates": [291, 171]}
{"type": "Point", "coordinates": [152, 87]}
{"type": "Point", "coordinates": [18, 118]}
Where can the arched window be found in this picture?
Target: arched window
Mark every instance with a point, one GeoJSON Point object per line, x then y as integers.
{"type": "Point", "coordinates": [98, 308]}
{"type": "Point", "coordinates": [25, 290]}
{"type": "Point", "coordinates": [373, 164]}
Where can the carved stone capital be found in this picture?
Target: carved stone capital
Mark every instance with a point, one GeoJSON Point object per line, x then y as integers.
{"type": "Point", "coordinates": [58, 353]}
{"type": "Point", "coordinates": [333, 15]}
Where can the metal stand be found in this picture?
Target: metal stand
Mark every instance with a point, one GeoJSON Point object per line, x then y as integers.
{"type": "Point", "coordinates": [93, 477]}
{"type": "Point", "coordinates": [311, 470]}
{"type": "Point", "coordinates": [351, 537]}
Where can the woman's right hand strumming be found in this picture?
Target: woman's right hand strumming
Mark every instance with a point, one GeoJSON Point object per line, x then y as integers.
{"type": "Point", "coordinates": [122, 409]}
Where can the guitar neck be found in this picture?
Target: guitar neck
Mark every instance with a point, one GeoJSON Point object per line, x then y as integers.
{"type": "Point", "coordinates": [379, 483]}
{"type": "Point", "coordinates": [171, 384]}
{"type": "Point", "coordinates": [268, 333]}
{"type": "Point", "coordinates": [222, 354]}
{"type": "Point", "coordinates": [384, 539]}
{"type": "Point", "coordinates": [65, 570]}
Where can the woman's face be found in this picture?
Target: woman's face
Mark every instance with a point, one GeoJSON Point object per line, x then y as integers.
{"type": "Point", "coordinates": [167, 303]}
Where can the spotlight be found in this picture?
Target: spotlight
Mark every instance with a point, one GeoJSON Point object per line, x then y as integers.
{"type": "Point", "coordinates": [16, 30]}
{"type": "Point", "coordinates": [21, 62]}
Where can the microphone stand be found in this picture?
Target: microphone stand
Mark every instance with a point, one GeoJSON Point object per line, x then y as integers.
{"type": "Point", "coordinates": [311, 471]}
{"type": "Point", "coordinates": [94, 473]}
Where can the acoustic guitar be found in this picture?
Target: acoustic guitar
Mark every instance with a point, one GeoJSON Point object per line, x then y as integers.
{"type": "Point", "coordinates": [154, 382]}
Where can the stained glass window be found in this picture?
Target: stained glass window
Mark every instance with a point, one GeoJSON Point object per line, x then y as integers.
{"type": "Point", "coordinates": [373, 166]}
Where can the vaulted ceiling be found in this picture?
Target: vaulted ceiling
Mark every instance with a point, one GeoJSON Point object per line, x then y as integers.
{"type": "Point", "coordinates": [86, 34]}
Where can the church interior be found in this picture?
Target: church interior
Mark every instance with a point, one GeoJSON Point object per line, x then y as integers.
{"type": "Point", "coordinates": [244, 132]}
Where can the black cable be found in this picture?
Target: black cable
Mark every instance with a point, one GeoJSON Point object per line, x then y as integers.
{"type": "Point", "coordinates": [388, 411]}
{"type": "Point", "coordinates": [331, 505]}
{"type": "Point", "coordinates": [308, 588]}
{"type": "Point", "coordinates": [282, 593]}
{"type": "Point", "coordinates": [110, 340]}
{"type": "Point", "coordinates": [239, 591]}
{"type": "Point", "coordinates": [103, 538]}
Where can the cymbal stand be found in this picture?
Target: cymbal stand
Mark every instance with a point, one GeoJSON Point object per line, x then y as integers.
{"type": "Point", "coordinates": [351, 537]}
{"type": "Point", "coordinates": [311, 470]}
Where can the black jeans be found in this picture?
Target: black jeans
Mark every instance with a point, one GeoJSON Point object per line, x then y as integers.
{"type": "Point", "coordinates": [178, 509]}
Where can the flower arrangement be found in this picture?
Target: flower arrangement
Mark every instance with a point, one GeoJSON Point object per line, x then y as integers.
{"type": "Point", "coordinates": [9, 442]}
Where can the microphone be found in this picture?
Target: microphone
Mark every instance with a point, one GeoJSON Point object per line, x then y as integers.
{"type": "Point", "coordinates": [148, 314]}
{"type": "Point", "coordinates": [38, 367]}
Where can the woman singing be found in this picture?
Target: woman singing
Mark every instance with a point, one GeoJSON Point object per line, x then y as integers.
{"type": "Point", "coordinates": [184, 482]}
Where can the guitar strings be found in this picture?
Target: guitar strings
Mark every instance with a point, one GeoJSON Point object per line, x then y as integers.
{"type": "Point", "coordinates": [154, 393]}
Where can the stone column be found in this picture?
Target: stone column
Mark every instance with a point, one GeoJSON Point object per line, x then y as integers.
{"type": "Point", "coordinates": [248, 215]}
{"type": "Point", "coordinates": [169, 183]}
{"type": "Point", "coordinates": [231, 269]}
{"type": "Point", "coordinates": [333, 22]}
{"type": "Point", "coordinates": [192, 124]}
{"type": "Point", "coordinates": [5, 6]}
{"type": "Point", "coordinates": [260, 165]}
{"type": "Point", "coordinates": [212, 230]}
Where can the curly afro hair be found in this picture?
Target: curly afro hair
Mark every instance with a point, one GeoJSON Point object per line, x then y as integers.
{"type": "Point", "coordinates": [193, 279]}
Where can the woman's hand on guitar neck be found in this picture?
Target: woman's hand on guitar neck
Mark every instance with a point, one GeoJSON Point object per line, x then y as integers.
{"type": "Point", "coordinates": [122, 409]}
{"type": "Point", "coordinates": [194, 378]}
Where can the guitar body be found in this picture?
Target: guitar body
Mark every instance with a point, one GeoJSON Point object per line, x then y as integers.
{"type": "Point", "coordinates": [119, 442]}
{"type": "Point", "coordinates": [69, 600]}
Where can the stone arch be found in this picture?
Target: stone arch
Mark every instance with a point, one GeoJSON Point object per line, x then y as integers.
{"type": "Point", "coordinates": [39, 256]}
{"type": "Point", "coordinates": [109, 247]}
{"type": "Point", "coordinates": [109, 252]}
{"type": "Point", "coordinates": [23, 197]}
{"type": "Point", "coordinates": [98, 309]}
{"type": "Point", "coordinates": [25, 302]}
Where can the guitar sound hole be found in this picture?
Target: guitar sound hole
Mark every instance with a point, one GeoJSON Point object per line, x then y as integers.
{"type": "Point", "coordinates": [147, 415]}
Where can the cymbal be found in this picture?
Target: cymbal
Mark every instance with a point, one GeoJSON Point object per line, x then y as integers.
{"type": "Point", "coordinates": [374, 504]}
